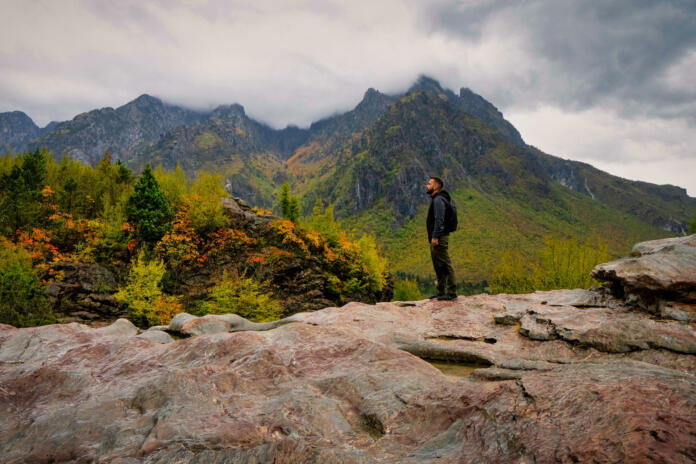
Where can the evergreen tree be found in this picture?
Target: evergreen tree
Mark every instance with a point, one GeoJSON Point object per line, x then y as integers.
{"type": "Point", "coordinates": [20, 191]}
{"type": "Point", "coordinates": [124, 174]}
{"type": "Point", "coordinates": [294, 210]}
{"type": "Point", "coordinates": [148, 209]}
{"type": "Point", "coordinates": [285, 200]}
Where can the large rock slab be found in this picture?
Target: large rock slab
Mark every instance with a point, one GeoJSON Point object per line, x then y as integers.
{"type": "Point", "coordinates": [528, 378]}
{"type": "Point", "coordinates": [656, 273]}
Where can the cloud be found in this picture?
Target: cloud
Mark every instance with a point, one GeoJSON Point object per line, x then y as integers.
{"type": "Point", "coordinates": [627, 55]}
{"type": "Point", "coordinates": [649, 149]}
{"type": "Point", "coordinates": [606, 67]}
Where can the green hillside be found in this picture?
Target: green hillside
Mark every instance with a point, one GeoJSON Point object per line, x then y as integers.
{"type": "Point", "coordinates": [491, 223]}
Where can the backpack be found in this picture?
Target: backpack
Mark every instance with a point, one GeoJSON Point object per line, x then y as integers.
{"type": "Point", "coordinates": [451, 221]}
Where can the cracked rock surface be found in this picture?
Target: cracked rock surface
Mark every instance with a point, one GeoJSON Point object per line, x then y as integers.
{"type": "Point", "coordinates": [558, 376]}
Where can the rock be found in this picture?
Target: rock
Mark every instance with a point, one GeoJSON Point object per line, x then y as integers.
{"type": "Point", "coordinates": [678, 311]}
{"type": "Point", "coordinates": [559, 376]}
{"type": "Point", "coordinates": [658, 271]}
{"type": "Point", "coordinates": [204, 325]}
{"type": "Point", "coordinates": [85, 293]}
{"type": "Point", "coordinates": [157, 336]}
{"type": "Point", "coordinates": [178, 321]}
{"type": "Point", "coordinates": [120, 328]}
{"type": "Point", "coordinates": [334, 386]}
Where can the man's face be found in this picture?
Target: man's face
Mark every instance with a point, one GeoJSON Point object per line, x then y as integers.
{"type": "Point", "coordinates": [431, 187]}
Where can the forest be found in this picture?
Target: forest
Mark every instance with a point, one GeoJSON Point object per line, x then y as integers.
{"type": "Point", "coordinates": [155, 231]}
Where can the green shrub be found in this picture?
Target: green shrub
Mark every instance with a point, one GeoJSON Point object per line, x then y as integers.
{"type": "Point", "coordinates": [241, 295]}
{"type": "Point", "coordinates": [373, 262]}
{"type": "Point", "coordinates": [204, 202]}
{"type": "Point", "coordinates": [23, 302]}
{"type": "Point", "coordinates": [560, 264]}
{"type": "Point", "coordinates": [407, 290]}
{"type": "Point", "coordinates": [173, 183]}
{"type": "Point", "coordinates": [142, 294]}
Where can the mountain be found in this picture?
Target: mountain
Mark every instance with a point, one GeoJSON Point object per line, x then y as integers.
{"type": "Point", "coordinates": [371, 164]}
{"type": "Point", "coordinates": [122, 130]}
{"type": "Point", "coordinates": [16, 130]}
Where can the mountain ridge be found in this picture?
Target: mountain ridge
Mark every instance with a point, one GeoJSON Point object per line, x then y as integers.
{"type": "Point", "coordinates": [369, 164]}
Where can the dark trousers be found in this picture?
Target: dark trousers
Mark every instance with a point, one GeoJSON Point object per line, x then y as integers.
{"type": "Point", "coordinates": [443, 267]}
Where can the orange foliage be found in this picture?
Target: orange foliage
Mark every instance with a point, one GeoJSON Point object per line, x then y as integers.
{"type": "Point", "coordinates": [165, 309]}
{"type": "Point", "coordinates": [287, 232]}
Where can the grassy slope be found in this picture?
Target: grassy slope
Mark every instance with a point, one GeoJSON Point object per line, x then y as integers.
{"type": "Point", "coordinates": [492, 223]}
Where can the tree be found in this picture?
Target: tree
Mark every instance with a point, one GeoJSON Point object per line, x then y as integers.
{"type": "Point", "coordinates": [692, 225]}
{"type": "Point", "coordinates": [143, 296]}
{"type": "Point", "coordinates": [173, 184]}
{"type": "Point", "coordinates": [23, 302]}
{"type": "Point", "coordinates": [294, 211]}
{"type": "Point", "coordinates": [285, 200]}
{"type": "Point", "coordinates": [204, 202]}
{"type": "Point", "coordinates": [148, 209]}
{"type": "Point", "coordinates": [323, 221]}
{"type": "Point", "coordinates": [20, 192]}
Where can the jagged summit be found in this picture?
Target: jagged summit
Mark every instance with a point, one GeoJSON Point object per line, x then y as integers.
{"type": "Point", "coordinates": [426, 83]}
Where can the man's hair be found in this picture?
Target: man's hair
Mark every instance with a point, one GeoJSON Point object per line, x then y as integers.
{"type": "Point", "coordinates": [438, 180]}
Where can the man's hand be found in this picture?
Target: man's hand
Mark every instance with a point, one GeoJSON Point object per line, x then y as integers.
{"type": "Point", "coordinates": [434, 242]}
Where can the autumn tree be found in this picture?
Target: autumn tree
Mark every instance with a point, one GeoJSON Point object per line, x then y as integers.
{"type": "Point", "coordinates": [204, 202]}
{"type": "Point", "coordinates": [148, 209]}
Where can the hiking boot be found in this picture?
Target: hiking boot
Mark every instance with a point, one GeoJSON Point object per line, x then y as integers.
{"type": "Point", "coordinates": [448, 297]}
{"type": "Point", "coordinates": [436, 297]}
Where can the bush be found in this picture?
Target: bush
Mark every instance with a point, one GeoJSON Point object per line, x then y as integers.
{"type": "Point", "coordinates": [173, 183]}
{"type": "Point", "coordinates": [241, 295]}
{"type": "Point", "coordinates": [560, 264]}
{"type": "Point", "coordinates": [373, 262]}
{"type": "Point", "coordinates": [23, 302]}
{"type": "Point", "coordinates": [407, 290]}
{"type": "Point", "coordinates": [204, 202]}
{"type": "Point", "coordinates": [146, 304]}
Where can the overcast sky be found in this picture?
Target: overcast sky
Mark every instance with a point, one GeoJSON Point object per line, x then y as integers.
{"type": "Point", "coordinates": [606, 82]}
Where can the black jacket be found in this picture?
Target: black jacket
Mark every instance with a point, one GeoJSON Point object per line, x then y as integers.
{"type": "Point", "coordinates": [436, 214]}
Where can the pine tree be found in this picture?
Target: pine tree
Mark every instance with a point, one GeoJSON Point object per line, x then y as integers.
{"type": "Point", "coordinates": [285, 200]}
{"type": "Point", "coordinates": [20, 192]}
{"type": "Point", "coordinates": [148, 209]}
{"type": "Point", "coordinates": [294, 209]}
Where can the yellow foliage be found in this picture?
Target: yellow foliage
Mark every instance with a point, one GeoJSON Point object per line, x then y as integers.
{"type": "Point", "coordinates": [204, 202]}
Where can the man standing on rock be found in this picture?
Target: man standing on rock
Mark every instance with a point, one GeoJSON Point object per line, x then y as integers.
{"type": "Point", "coordinates": [439, 228]}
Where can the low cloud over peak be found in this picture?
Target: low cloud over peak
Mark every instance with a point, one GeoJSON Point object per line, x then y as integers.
{"type": "Point", "coordinates": [293, 63]}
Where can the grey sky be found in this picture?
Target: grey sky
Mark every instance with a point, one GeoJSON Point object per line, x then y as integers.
{"type": "Point", "coordinates": [609, 83]}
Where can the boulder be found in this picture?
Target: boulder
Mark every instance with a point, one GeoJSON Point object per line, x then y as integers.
{"type": "Point", "coordinates": [657, 272]}
{"type": "Point", "coordinates": [157, 336]}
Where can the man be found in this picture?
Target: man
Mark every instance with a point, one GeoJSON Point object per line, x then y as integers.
{"type": "Point", "coordinates": [438, 236]}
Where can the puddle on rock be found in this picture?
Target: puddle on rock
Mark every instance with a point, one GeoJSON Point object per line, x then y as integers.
{"type": "Point", "coordinates": [451, 369]}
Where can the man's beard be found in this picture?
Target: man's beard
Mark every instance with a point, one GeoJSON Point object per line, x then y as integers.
{"type": "Point", "coordinates": [429, 190]}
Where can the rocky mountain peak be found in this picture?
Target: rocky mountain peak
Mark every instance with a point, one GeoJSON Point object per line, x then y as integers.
{"type": "Point", "coordinates": [16, 129]}
{"type": "Point", "coordinates": [225, 111]}
{"type": "Point", "coordinates": [146, 101]}
{"type": "Point", "coordinates": [426, 84]}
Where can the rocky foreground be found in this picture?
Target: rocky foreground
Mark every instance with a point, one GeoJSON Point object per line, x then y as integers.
{"type": "Point", "coordinates": [603, 375]}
